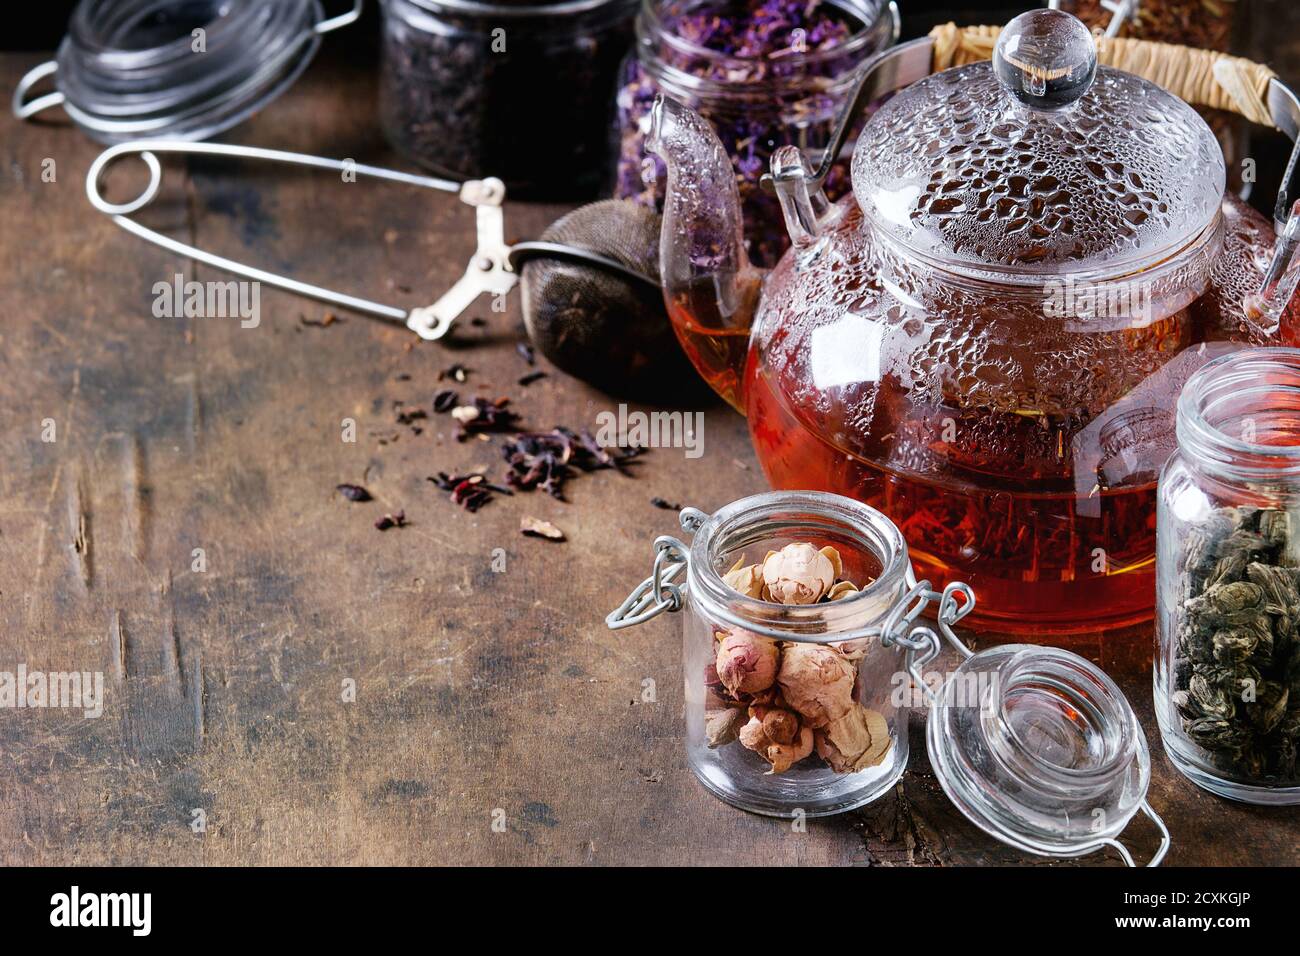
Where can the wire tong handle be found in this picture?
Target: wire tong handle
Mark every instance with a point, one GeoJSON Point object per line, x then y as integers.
{"type": "Point", "coordinates": [489, 269]}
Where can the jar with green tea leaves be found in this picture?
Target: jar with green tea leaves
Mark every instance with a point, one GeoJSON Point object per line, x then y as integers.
{"type": "Point", "coordinates": [1227, 669]}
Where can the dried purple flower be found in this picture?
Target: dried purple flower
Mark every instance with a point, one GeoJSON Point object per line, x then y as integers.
{"type": "Point", "coordinates": [445, 400]}
{"type": "Point", "coordinates": [788, 96]}
{"type": "Point", "coordinates": [526, 352]}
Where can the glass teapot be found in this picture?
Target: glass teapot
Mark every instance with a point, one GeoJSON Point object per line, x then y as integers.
{"type": "Point", "coordinates": [986, 339]}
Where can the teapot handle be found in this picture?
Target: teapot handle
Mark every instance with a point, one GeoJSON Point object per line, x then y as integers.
{"type": "Point", "coordinates": [890, 70]}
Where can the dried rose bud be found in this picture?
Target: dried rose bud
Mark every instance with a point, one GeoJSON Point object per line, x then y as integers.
{"type": "Point", "coordinates": [784, 756]}
{"type": "Point", "coordinates": [747, 579]}
{"type": "Point", "coordinates": [856, 741]}
{"type": "Point", "coordinates": [781, 726]}
{"type": "Point", "coordinates": [746, 663]}
{"type": "Point", "coordinates": [817, 681]}
{"type": "Point", "coordinates": [841, 589]}
{"type": "Point", "coordinates": [798, 574]}
{"type": "Point", "coordinates": [854, 651]}
{"type": "Point", "coordinates": [721, 727]}
{"type": "Point", "coordinates": [781, 756]}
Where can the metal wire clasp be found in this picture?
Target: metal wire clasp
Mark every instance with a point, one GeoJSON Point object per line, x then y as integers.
{"type": "Point", "coordinates": [660, 592]}
{"type": "Point", "coordinates": [921, 642]}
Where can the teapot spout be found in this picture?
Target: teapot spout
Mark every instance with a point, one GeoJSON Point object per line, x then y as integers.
{"type": "Point", "coordinates": [710, 287]}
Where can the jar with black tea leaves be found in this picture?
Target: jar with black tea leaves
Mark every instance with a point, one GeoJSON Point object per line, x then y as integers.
{"type": "Point", "coordinates": [523, 92]}
{"type": "Point", "coordinates": [1227, 668]}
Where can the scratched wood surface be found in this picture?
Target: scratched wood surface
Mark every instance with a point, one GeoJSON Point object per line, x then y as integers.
{"type": "Point", "coordinates": [476, 690]}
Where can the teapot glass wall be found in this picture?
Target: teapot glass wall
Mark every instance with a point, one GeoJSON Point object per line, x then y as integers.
{"type": "Point", "coordinates": [1011, 422]}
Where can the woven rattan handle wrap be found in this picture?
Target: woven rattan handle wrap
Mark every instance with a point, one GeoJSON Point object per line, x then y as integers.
{"type": "Point", "coordinates": [1200, 77]}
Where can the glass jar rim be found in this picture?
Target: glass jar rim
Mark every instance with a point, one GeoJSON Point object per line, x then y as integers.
{"type": "Point", "coordinates": [478, 8]}
{"type": "Point", "coordinates": [1237, 375]}
{"type": "Point", "coordinates": [115, 92]}
{"type": "Point", "coordinates": [651, 30]}
{"type": "Point", "coordinates": [808, 623]}
{"type": "Point", "coordinates": [83, 32]}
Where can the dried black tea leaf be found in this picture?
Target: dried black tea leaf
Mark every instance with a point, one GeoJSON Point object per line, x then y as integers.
{"type": "Point", "coordinates": [353, 492]}
{"type": "Point", "coordinates": [534, 109]}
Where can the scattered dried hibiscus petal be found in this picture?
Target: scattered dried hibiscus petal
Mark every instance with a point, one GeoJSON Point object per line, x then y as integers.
{"type": "Point", "coordinates": [536, 528]}
{"type": "Point", "coordinates": [353, 492]}
{"type": "Point", "coordinates": [471, 491]}
{"type": "Point", "coordinates": [665, 504]}
{"type": "Point", "coordinates": [546, 459]}
{"type": "Point", "coordinates": [531, 377]}
{"type": "Point", "coordinates": [484, 415]}
{"type": "Point", "coordinates": [396, 520]}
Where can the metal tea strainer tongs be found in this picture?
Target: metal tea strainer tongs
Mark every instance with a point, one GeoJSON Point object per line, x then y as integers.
{"type": "Point", "coordinates": [602, 248]}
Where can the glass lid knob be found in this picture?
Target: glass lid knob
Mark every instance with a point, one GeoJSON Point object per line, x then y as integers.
{"type": "Point", "coordinates": [1047, 59]}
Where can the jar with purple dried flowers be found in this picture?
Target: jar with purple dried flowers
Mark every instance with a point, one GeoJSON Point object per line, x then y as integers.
{"type": "Point", "coordinates": [765, 74]}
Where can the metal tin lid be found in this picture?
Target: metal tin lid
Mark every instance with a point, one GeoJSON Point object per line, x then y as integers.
{"type": "Point", "coordinates": [177, 68]}
{"type": "Point", "coordinates": [1040, 749]}
{"type": "Point", "coordinates": [1039, 162]}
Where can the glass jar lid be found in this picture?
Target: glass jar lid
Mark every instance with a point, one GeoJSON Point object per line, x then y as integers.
{"type": "Point", "coordinates": [1039, 162]}
{"type": "Point", "coordinates": [181, 69]}
{"type": "Point", "coordinates": [1040, 749]}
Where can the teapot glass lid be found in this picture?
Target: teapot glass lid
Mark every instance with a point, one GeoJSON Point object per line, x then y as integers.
{"type": "Point", "coordinates": [1039, 162]}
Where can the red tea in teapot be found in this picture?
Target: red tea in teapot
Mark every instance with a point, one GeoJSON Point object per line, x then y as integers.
{"type": "Point", "coordinates": [997, 497]}
{"type": "Point", "coordinates": [987, 340]}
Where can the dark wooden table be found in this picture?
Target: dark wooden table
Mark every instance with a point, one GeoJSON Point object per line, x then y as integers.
{"type": "Point", "coordinates": [476, 691]}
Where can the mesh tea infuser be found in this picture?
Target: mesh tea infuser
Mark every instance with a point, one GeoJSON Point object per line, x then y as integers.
{"type": "Point", "coordinates": [605, 253]}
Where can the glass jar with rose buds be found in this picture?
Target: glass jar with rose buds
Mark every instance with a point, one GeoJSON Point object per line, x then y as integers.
{"type": "Point", "coordinates": [802, 649]}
